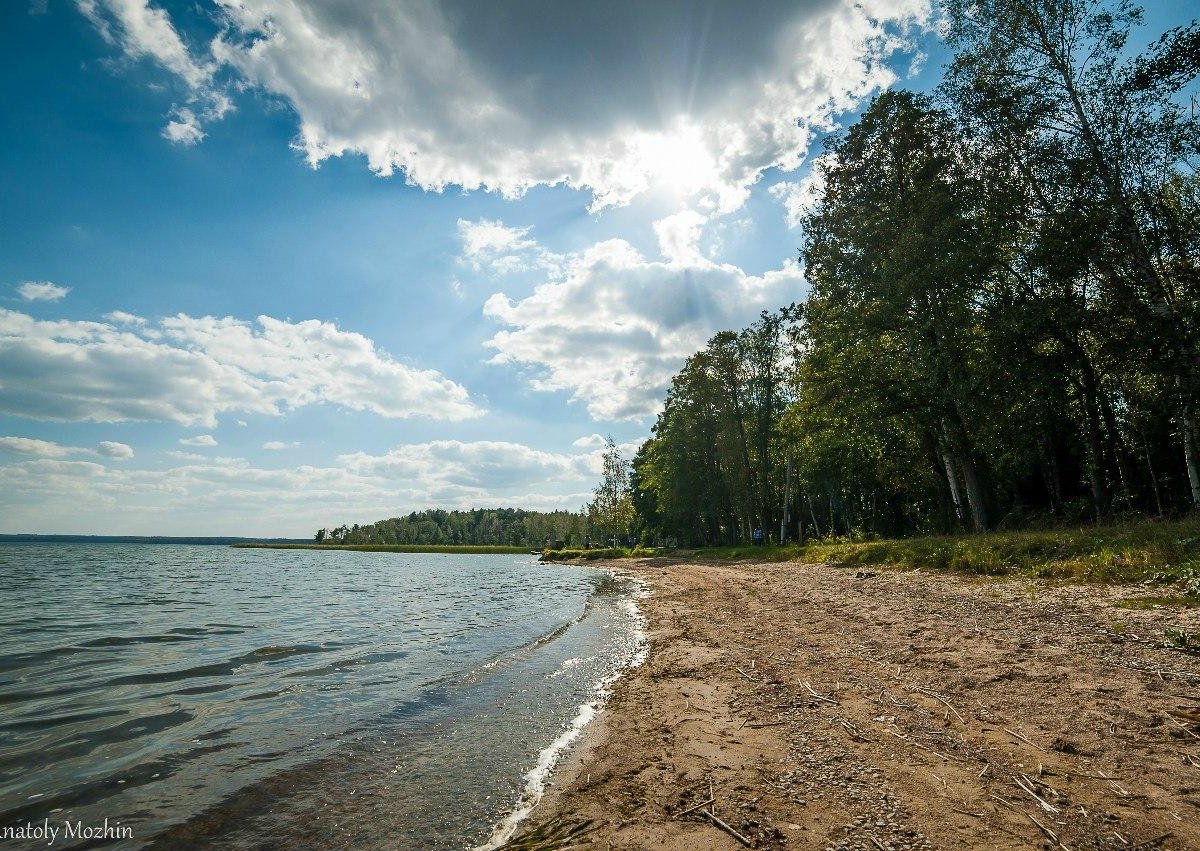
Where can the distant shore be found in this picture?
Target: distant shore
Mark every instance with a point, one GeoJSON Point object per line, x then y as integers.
{"type": "Point", "coordinates": [454, 549]}
{"type": "Point", "coordinates": [808, 706]}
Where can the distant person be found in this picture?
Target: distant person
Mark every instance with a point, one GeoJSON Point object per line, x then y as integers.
{"type": "Point", "coordinates": [758, 536]}
{"type": "Point", "coordinates": [587, 542]}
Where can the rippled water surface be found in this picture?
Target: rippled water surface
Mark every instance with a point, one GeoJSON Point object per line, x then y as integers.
{"type": "Point", "coordinates": [207, 696]}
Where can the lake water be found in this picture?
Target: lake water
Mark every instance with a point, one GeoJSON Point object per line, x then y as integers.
{"type": "Point", "coordinates": [244, 698]}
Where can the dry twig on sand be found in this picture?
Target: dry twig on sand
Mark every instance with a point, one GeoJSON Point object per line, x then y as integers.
{"type": "Point", "coordinates": [723, 826]}
{"type": "Point", "coordinates": [808, 687]}
{"type": "Point", "coordinates": [694, 807]}
{"type": "Point", "coordinates": [940, 700]}
{"type": "Point", "coordinates": [1015, 734]}
{"type": "Point", "coordinates": [1027, 786]}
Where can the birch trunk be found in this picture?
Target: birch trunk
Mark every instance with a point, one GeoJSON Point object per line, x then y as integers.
{"type": "Point", "coordinates": [1189, 453]}
{"type": "Point", "coordinates": [952, 479]}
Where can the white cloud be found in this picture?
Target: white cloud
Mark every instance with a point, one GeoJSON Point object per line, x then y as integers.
{"type": "Point", "coordinates": [184, 128]}
{"type": "Point", "coordinates": [679, 237]}
{"type": "Point", "coordinates": [42, 291]}
{"type": "Point", "coordinates": [49, 449]}
{"type": "Point", "coordinates": [492, 246]}
{"type": "Point", "coordinates": [276, 445]}
{"type": "Point", "coordinates": [230, 496]}
{"type": "Point", "coordinates": [36, 447]}
{"type": "Point", "coordinates": [199, 440]}
{"type": "Point", "coordinates": [188, 370]}
{"type": "Point", "coordinates": [692, 99]}
{"type": "Point", "coordinates": [473, 470]}
{"type": "Point", "coordinates": [799, 198]}
{"type": "Point", "coordinates": [112, 449]}
{"type": "Point", "coordinates": [614, 327]}
{"type": "Point", "coordinates": [240, 423]}
{"type": "Point", "coordinates": [120, 317]}
{"type": "Point", "coordinates": [590, 441]}
{"type": "Point", "coordinates": [143, 31]}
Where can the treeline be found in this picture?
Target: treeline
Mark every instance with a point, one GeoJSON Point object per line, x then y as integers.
{"type": "Point", "coordinates": [514, 527]}
{"type": "Point", "coordinates": [1003, 325]}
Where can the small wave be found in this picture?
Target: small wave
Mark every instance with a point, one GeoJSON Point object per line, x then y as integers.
{"type": "Point", "coordinates": [524, 651]}
{"type": "Point", "coordinates": [535, 778]}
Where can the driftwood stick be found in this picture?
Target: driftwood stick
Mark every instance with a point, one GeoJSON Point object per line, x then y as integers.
{"type": "Point", "coordinates": [1015, 734]}
{"type": "Point", "coordinates": [1149, 842]}
{"type": "Point", "coordinates": [940, 700]}
{"type": "Point", "coordinates": [1042, 802]}
{"type": "Point", "coordinates": [1182, 727]}
{"type": "Point", "coordinates": [723, 826]}
{"type": "Point", "coordinates": [918, 744]}
{"type": "Point", "coordinates": [744, 674]}
{"type": "Point", "coordinates": [1050, 833]}
{"type": "Point", "coordinates": [808, 687]}
{"type": "Point", "coordinates": [693, 808]}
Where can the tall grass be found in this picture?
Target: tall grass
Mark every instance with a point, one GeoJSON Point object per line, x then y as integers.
{"type": "Point", "coordinates": [1130, 552]}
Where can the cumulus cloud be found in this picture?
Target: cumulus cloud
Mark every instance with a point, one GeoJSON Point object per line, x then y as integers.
{"type": "Point", "coordinates": [35, 446]}
{"type": "Point", "coordinates": [120, 317]}
{"type": "Point", "coordinates": [276, 445]}
{"type": "Point", "coordinates": [187, 370]}
{"type": "Point", "coordinates": [220, 495]}
{"type": "Point", "coordinates": [473, 470]}
{"type": "Point", "coordinates": [199, 440]}
{"type": "Point", "coordinates": [799, 197]}
{"type": "Point", "coordinates": [692, 98]}
{"type": "Point", "coordinates": [49, 449]}
{"type": "Point", "coordinates": [112, 449]}
{"type": "Point", "coordinates": [491, 246]}
{"type": "Point", "coordinates": [679, 237]}
{"type": "Point", "coordinates": [42, 291]}
{"type": "Point", "coordinates": [615, 326]}
{"type": "Point", "coordinates": [184, 128]}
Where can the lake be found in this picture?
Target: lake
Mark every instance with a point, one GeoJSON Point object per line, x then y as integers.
{"type": "Point", "coordinates": [249, 698]}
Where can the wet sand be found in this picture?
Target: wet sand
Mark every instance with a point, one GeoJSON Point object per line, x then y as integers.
{"type": "Point", "coordinates": [820, 707]}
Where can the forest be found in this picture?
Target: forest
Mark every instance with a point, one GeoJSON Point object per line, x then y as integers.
{"type": "Point", "coordinates": [514, 527]}
{"type": "Point", "coordinates": [1002, 328]}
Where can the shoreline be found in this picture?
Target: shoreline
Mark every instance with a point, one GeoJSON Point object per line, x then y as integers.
{"type": "Point", "coordinates": [558, 759]}
{"type": "Point", "coordinates": [828, 707]}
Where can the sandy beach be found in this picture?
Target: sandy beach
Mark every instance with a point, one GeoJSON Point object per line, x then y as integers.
{"type": "Point", "coordinates": [805, 706]}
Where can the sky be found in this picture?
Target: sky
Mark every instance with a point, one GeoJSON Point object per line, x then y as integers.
{"type": "Point", "coordinates": [272, 265]}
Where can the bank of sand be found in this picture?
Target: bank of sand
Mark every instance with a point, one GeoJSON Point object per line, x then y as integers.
{"type": "Point", "coordinates": [832, 708]}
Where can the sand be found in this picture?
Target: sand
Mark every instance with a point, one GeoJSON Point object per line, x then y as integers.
{"type": "Point", "coordinates": [832, 708]}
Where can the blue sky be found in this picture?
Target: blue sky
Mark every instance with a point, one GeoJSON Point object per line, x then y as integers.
{"type": "Point", "coordinates": [480, 235]}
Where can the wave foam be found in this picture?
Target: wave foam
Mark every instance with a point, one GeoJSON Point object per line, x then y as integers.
{"type": "Point", "coordinates": [535, 779]}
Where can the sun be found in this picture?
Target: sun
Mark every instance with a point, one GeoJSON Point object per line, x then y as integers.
{"type": "Point", "coordinates": [678, 161]}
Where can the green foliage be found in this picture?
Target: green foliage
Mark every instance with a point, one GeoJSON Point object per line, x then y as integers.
{"type": "Point", "coordinates": [610, 513]}
{"type": "Point", "coordinates": [589, 555]}
{"type": "Point", "coordinates": [715, 467]}
{"type": "Point", "coordinates": [1180, 640]}
{"type": "Point", "coordinates": [504, 527]}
